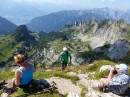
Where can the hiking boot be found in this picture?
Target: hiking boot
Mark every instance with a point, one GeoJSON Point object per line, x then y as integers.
{"type": "Point", "coordinates": [53, 85]}
{"type": "Point", "coordinates": [2, 83]}
{"type": "Point", "coordinates": [106, 89]}
{"type": "Point", "coordinates": [103, 89]}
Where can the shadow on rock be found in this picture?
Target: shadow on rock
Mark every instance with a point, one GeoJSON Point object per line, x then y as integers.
{"type": "Point", "coordinates": [39, 85]}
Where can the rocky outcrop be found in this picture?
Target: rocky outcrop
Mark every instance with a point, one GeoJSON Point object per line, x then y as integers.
{"type": "Point", "coordinates": [45, 56]}
{"type": "Point", "coordinates": [97, 34]}
{"type": "Point", "coordinates": [85, 86]}
{"type": "Point", "coordinates": [65, 86]}
{"type": "Point", "coordinates": [119, 49]}
{"type": "Point", "coordinates": [92, 91]}
{"type": "Point", "coordinates": [82, 58]}
{"type": "Point", "coordinates": [115, 51]}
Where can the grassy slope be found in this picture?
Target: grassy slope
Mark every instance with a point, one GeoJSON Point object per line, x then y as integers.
{"type": "Point", "coordinates": [5, 48]}
{"type": "Point", "coordinates": [8, 46]}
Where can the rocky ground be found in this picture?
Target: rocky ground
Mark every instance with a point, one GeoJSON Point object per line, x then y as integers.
{"type": "Point", "coordinates": [84, 87]}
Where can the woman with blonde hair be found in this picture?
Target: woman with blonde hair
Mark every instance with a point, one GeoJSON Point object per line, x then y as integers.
{"type": "Point", "coordinates": [24, 74]}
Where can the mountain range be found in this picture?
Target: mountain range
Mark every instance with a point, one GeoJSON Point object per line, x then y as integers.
{"type": "Point", "coordinates": [56, 21]}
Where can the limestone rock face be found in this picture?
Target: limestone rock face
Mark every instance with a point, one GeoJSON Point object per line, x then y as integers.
{"type": "Point", "coordinates": [81, 59]}
{"type": "Point", "coordinates": [77, 60]}
{"type": "Point", "coordinates": [119, 49]}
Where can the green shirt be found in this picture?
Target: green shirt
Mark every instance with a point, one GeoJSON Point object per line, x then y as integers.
{"type": "Point", "coordinates": [64, 57]}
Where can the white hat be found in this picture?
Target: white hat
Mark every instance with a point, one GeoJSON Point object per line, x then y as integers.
{"type": "Point", "coordinates": [122, 68]}
{"type": "Point", "coordinates": [65, 49]}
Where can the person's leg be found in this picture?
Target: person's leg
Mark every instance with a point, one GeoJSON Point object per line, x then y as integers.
{"type": "Point", "coordinates": [62, 66]}
{"type": "Point", "coordinates": [65, 66]}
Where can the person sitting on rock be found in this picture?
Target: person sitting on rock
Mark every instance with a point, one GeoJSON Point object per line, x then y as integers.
{"type": "Point", "coordinates": [64, 58]}
{"type": "Point", "coordinates": [117, 81]}
{"type": "Point", "coordinates": [23, 74]}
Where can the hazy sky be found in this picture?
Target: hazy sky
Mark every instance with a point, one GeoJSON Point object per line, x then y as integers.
{"type": "Point", "coordinates": [21, 11]}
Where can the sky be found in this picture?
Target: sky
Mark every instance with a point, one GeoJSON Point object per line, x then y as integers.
{"type": "Point", "coordinates": [22, 11]}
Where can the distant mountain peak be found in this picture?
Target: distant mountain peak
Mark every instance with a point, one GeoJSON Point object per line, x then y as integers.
{"type": "Point", "coordinates": [6, 26]}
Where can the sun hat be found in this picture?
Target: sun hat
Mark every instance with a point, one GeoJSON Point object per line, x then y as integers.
{"type": "Point", "coordinates": [122, 68]}
{"type": "Point", "coordinates": [65, 49]}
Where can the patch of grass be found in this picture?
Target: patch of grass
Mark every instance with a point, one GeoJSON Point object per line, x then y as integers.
{"type": "Point", "coordinates": [77, 69]}
{"type": "Point", "coordinates": [83, 91]}
{"type": "Point", "coordinates": [43, 75]}
{"type": "Point", "coordinates": [96, 76]}
{"type": "Point", "coordinates": [64, 75]}
{"type": "Point", "coordinates": [5, 75]}
{"type": "Point", "coordinates": [94, 69]}
{"type": "Point", "coordinates": [97, 64]}
{"type": "Point", "coordinates": [48, 74]}
{"type": "Point", "coordinates": [20, 93]}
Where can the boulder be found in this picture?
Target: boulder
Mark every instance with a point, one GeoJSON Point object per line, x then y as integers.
{"type": "Point", "coordinates": [105, 68]}
{"type": "Point", "coordinates": [81, 58]}
{"type": "Point", "coordinates": [71, 94]}
{"type": "Point", "coordinates": [118, 50]}
{"type": "Point", "coordinates": [77, 60]}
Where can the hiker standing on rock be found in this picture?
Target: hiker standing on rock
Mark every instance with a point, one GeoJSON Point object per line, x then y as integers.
{"type": "Point", "coordinates": [64, 58]}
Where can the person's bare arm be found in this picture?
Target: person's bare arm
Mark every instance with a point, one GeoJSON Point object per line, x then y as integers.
{"type": "Point", "coordinates": [110, 74]}
{"type": "Point", "coordinates": [17, 78]}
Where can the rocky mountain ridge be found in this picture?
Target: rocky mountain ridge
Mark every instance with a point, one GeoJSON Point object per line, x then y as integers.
{"type": "Point", "coordinates": [58, 20]}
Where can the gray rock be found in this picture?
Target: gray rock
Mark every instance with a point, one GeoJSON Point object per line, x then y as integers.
{"type": "Point", "coordinates": [119, 49]}
{"type": "Point", "coordinates": [81, 58]}
{"type": "Point", "coordinates": [76, 60]}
